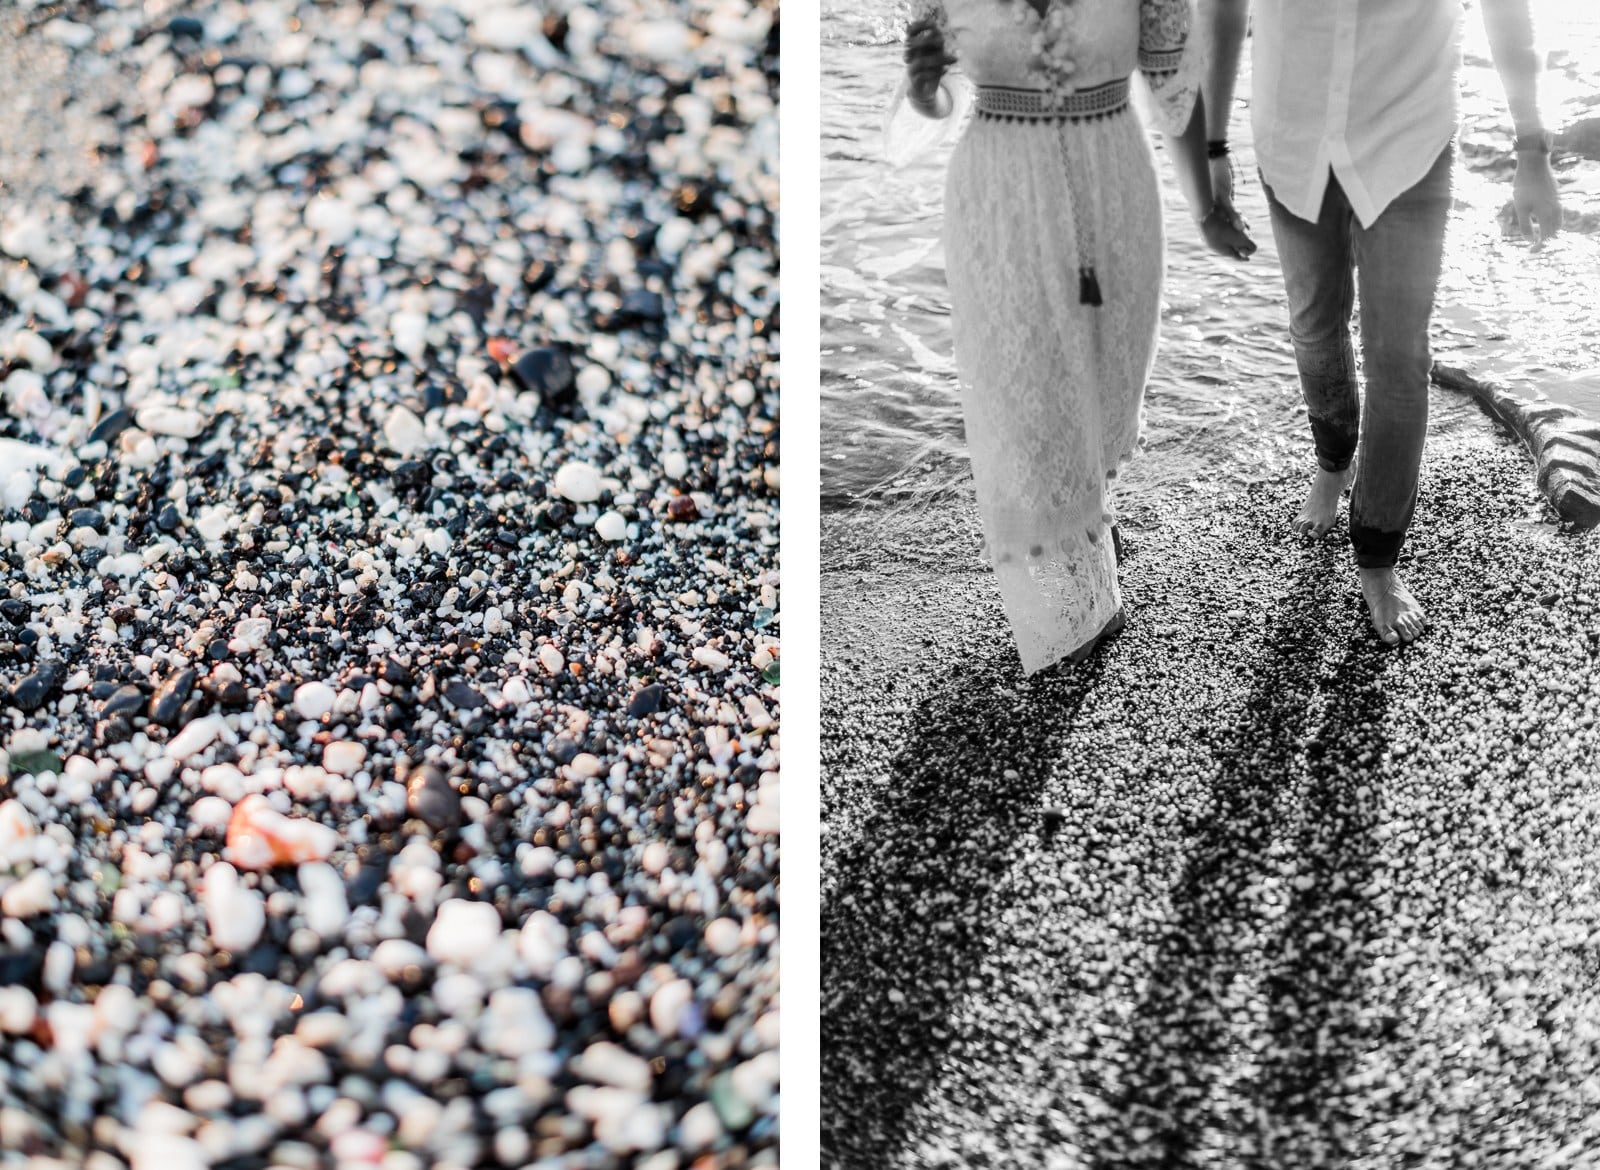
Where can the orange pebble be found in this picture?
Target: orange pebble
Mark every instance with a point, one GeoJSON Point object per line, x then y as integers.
{"type": "Point", "coordinates": [501, 350]}
{"type": "Point", "coordinates": [260, 837]}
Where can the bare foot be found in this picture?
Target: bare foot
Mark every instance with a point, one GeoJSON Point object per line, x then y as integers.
{"type": "Point", "coordinates": [1322, 504]}
{"type": "Point", "coordinates": [1396, 615]}
{"type": "Point", "coordinates": [1110, 630]}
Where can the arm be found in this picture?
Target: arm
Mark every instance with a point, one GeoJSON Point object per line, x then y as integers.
{"type": "Point", "coordinates": [1510, 28]}
{"type": "Point", "coordinates": [926, 61]}
{"type": "Point", "coordinates": [1217, 225]}
{"type": "Point", "coordinates": [1227, 21]}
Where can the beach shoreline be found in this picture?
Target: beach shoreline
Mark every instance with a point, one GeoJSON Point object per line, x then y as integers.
{"type": "Point", "coordinates": [1245, 767]}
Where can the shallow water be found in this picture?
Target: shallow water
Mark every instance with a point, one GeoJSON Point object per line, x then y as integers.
{"type": "Point", "coordinates": [1223, 407]}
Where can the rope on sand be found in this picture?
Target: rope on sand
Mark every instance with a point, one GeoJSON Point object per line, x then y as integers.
{"type": "Point", "coordinates": [1565, 443]}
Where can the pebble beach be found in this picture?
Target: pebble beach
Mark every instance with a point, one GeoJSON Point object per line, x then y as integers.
{"type": "Point", "coordinates": [389, 591]}
{"type": "Point", "coordinates": [1247, 889]}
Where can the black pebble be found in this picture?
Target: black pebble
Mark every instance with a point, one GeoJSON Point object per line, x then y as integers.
{"type": "Point", "coordinates": [548, 371]}
{"type": "Point", "coordinates": [111, 426]}
{"type": "Point", "coordinates": [392, 672]}
{"type": "Point", "coordinates": [459, 694]}
{"type": "Point", "coordinates": [413, 473]}
{"type": "Point", "coordinates": [429, 795]}
{"type": "Point", "coordinates": [15, 610]}
{"type": "Point", "coordinates": [124, 700]}
{"type": "Point", "coordinates": [646, 700]}
{"type": "Point", "coordinates": [218, 650]}
{"type": "Point", "coordinates": [31, 693]}
{"type": "Point", "coordinates": [86, 518]}
{"type": "Point", "coordinates": [167, 703]}
{"type": "Point", "coordinates": [167, 518]}
{"type": "Point", "coordinates": [186, 27]}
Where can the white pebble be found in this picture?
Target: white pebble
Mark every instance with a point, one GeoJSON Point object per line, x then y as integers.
{"type": "Point", "coordinates": [722, 936]}
{"type": "Point", "coordinates": [313, 700]}
{"type": "Point", "coordinates": [236, 913]}
{"type": "Point", "coordinates": [578, 482]}
{"type": "Point", "coordinates": [326, 908]}
{"type": "Point", "coordinates": [551, 659]}
{"type": "Point", "coordinates": [344, 757]}
{"type": "Point", "coordinates": [404, 432]}
{"type": "Point", "coordinates": [462, 931]}
{"type": "Point", "coordinates": [611, 526]}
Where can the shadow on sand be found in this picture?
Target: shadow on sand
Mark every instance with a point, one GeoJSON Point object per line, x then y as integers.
{"type": "Point", "coordinates": [1239, 1051]}
{"type": "Point", "coordinates": [912, 912]}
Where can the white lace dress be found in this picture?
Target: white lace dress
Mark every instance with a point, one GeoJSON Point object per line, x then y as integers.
{"type": "Point", "coordinates": [1038, 210]}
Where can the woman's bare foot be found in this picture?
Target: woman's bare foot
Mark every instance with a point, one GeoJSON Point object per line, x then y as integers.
{"type": "Point", "coordinates": [1110, 630]}
{"type": "Point", "coordinates": [1396, 615]}
{"type": "Point", "coordinates": [1322, 504]}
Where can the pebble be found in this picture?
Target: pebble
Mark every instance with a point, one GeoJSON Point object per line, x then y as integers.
{"type": "Point", "coordinates": [236, 913]}
{"type": "Point", "coordinates": [430, 795]}
{"type": "Point", "coordinates": [462, 930]}
{"type": "Point", "coordinates": [404, 432]}
{"type": "Point", "coordinates": [336, 411]}
{"type": "Point", "coordinates": [313, 700]}
{"type": "Point", "coordinates": [344, 757]}
{"type": "Point", "coordinates": [34, 894]}
{"type": "Point", "coordinates": [326, 908]}
{"type": "Point", "coordinates": [161, 418]}
{"type": "Point", "coordinates": [579, 482]}
{"type": "Point", "coordinates": [547, 372]}
{"type": "Point", "coordinates": [259, 837]}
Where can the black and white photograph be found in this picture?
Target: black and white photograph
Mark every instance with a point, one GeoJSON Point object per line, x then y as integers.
{"type": "Point", "coordinates": [1210, 601]}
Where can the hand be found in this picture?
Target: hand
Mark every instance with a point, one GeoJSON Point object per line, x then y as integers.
{"type": "Point", "coordinates": [1224, 233]}
{"type": "Point", "coordinates": [1533, 194]}
{"type": "Point", "coordinates": [926, 61]}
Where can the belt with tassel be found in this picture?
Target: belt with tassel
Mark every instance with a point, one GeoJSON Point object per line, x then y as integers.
{"type": "Point", "coordinates": [1004, 103]}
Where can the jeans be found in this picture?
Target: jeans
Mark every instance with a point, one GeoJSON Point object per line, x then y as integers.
{"type": "Point", "coordinates": [1395, 264]}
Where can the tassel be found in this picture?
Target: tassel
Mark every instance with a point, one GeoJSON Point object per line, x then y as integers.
{"type": "Point", "coordinates": [1088, 287]}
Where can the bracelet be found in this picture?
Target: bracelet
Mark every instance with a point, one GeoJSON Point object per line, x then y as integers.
{"type": "Point", "coordinates": [1536, 140]}
{"type": "Point", "coordinates": [1217, 148]}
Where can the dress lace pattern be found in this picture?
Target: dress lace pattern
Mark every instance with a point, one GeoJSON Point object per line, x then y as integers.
{"type": "Point", "coordinates": [1052, 387]}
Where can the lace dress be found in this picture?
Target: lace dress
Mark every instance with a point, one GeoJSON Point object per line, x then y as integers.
{"type": "Point", "coordinates": [1046, 213]}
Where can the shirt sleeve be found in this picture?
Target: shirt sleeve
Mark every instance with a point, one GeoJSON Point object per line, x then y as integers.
{"type": "Point", "coordinates": [1171, 60]}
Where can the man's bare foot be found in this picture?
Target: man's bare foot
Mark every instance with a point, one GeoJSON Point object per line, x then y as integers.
{"type": "Point", "coordinates": [1396, 615]}
{"type": "Point", "coordinates": [1321, 508]}
{"type": "Point", "coordinates": [1111, 629]}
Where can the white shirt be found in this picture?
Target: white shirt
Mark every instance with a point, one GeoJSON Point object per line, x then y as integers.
{"type": "Point", "coordinates": [1365, 88]}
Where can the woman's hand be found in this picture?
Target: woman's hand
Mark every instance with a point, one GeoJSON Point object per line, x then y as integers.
{"type": "Point", "coordinates": [1224, 233]}
{"type": "Point", "coordinates": [926, 62]}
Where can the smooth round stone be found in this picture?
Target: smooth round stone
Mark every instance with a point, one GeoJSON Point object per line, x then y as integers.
{"type": "Point", "coordinates": [28, 348]}
{"type": "Point", "coordinates": [313, 700]}
{"type": "Point", "coordinates": [34, 894]}
{"type": "Point", "coordinates": [549, 373]}
{"type": "Point", "coordinates": [462, 931]}
{"type": "Point", "coordinates": [605, 1063]}
{"type": "Point", "coordinates": [430, 795]}
{"type": "Point", "coordinates": [110, 427]}
{"type": "Point", "coordinates": [344, 757]}
{"type": "Point", "coordinates": [611, 526]}
{"type": "Point", "coordinates": [668, 1004]}
{"type": "Point", "coordinates": [161, 418]}
{"type": "Point", "coordinates": [723, 936]}
{"type": "Point", "coordinates": [551, 659]}
{"type": "Point", "coordinates": [646, 700]}
{"type": "Point", "coordinates": [326, 908]}
{"type": "Point", "coordinates": [579, 482]}
{"type": "Point", "coordinates": [167, 703]}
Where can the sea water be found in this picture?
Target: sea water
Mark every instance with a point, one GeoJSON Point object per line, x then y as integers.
{"type": "Point", "coordinates": [1223, 407]}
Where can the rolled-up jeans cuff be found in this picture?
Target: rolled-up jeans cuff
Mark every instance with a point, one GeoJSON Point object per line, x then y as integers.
{"type": "Point", "coordinates": [1335, 465]}
{"type": "Point", "coordinates": [1375, 548]}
